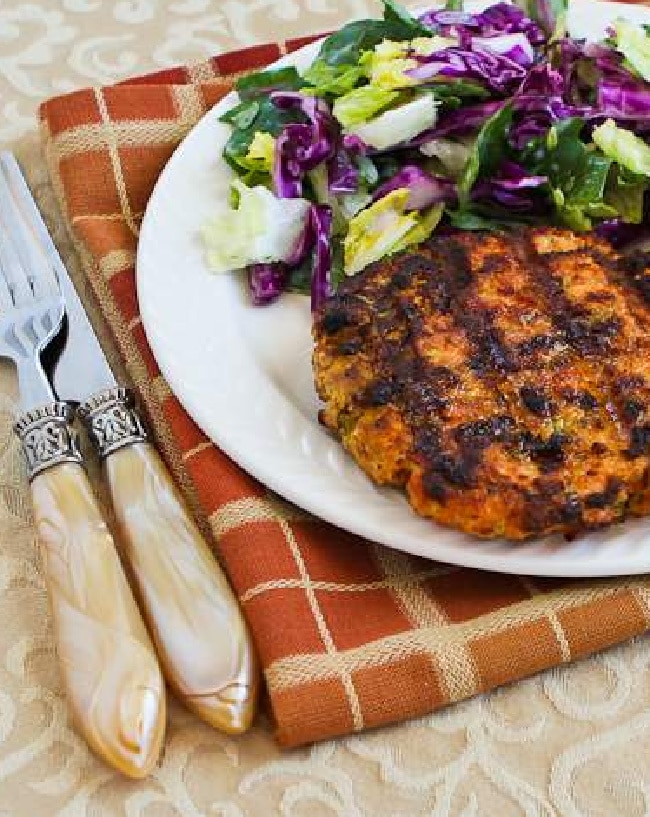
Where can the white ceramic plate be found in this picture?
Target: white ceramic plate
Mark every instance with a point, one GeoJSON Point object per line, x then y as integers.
{"type": "Point", "coordinates": [244, 373]}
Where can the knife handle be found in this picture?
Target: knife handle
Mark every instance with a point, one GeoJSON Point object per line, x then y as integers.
{"type": "Point", "coordinates": [110, 674]}
{"type": "Point", "coordinates": [197, 626]}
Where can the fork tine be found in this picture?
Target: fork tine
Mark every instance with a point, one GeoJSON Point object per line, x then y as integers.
{"type": "Point", "coordinates": [33, 267]}
{"type": "Point", "coordinates": [28, 209]}
{"type": "Point", "coordinates": [19, 290]}
{"type": "Point", "coordinates": [6, 301]}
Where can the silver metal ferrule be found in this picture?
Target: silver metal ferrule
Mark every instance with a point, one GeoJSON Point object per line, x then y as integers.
{"type": "Point", "coordinates": [48, 437]}
{"type": "Point", "coordinates": [112, 420]}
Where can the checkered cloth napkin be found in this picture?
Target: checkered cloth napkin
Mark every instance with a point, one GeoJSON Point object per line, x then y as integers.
{"type": "Point", "coordinates": [351, 634]}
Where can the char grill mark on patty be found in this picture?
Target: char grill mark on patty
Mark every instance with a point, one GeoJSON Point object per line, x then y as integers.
{"type": "Point", "coordinates": [502, 380]}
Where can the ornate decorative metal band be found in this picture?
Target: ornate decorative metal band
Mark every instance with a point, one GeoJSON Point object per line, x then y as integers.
{"type": "Point", "coordinates": [48, 437]}
{"type": "Point", "coordinates": [112, 420]}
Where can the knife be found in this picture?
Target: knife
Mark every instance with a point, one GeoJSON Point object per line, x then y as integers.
{"type": "Point", "coordinates": [200, 635]}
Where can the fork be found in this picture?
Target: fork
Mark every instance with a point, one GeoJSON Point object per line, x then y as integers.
{"type": "Point", "coordinates": [109, 670]}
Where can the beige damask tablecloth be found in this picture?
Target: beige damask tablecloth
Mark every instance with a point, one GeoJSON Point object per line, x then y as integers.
{"type": "Point", "coordinates": [572, 742]}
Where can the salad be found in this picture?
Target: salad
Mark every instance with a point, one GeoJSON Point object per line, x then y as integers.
{"type": "Point", "coordinates": [453, 120]}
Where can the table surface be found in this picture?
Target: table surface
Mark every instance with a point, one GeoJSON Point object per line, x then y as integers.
{"type": "Point", "coordinates": [571, 742]}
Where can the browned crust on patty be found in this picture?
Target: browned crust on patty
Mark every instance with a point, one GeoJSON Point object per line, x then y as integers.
{"type": "Point", "coordinates": [502, 380]}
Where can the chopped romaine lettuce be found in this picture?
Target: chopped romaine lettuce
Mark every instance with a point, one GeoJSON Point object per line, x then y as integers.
{"type": "Point", "coordinates": [625, 191]}
{"type": "Point", "coordinates": [453, 155]}
{"type": "Point", "coordinates": [579, 217]}
{"type": "Point", "coordinates": [261, 151]}
{"type": "Point", "coordinates": [625, 147]}
{"type": "Point", "coordinates": [352, 203]}
{"type": "Point", "coordinates": [399, 124]}
{"type": "Point", "coordinates": [634, 43]}
{"type": "Point", "coordinates": [424, 189]}
{"type": "Point", "coordinates": [384, 228]}
{"type": "Point", "coordinates": [362, 104]}
{"type": "Point", "coordinates": [337, 80]}
{"type": "Point", "coordinates": [261, 229]}
{"type": "Point", "coordinates": [388, 63]}
{"type": "Point", "coordinates": [427, 223]}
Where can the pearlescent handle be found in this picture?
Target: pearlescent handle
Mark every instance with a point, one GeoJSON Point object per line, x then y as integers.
{"type": "Point", "coordinates": [111, 677]}
{"type": "Point", "coordinates": [197, 626]}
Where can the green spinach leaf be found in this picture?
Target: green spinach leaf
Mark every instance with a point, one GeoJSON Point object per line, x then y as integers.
{"type": "Point", "coordinates": [489, 151]}
{"type": "Point", "coordinates": [275, 79]}
{"type": "Point", "coordinates": [402, 23]}
{"type": "Point", "coordinates": [268, 118]}
{"type": "Point", "coordinates": [336, 80]}
{"type": "Point", "coordinates": [242, 115]}
{"type": "Point", "coordinates": [346, 45]}
{"type": "Point", "coordinates": [625, 191]}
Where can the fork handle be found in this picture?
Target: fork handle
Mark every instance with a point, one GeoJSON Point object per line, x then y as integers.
{"type": "Point", "coordinates": [194, 618]}
{"type": "Point", "coordinates": [110, 674]}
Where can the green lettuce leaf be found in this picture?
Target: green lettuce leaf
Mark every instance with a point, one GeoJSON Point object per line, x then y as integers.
{"type": "Point", "coordinates": [398, 124]}
{"type": "Point", "coordinates": [242, 115]}
{"type": "Point", "coordinates": [345, 46]}
{"type": "Point", "coordinates": [472, 218]}
{"type": "Point", "coordinates": [261, 151]}
{"type": "Point", "coordinates": [454, 95]}
{"type": "Point", "coordinates": [362, 104]}
{"type": "Point", "coordinates": [336, 80]}
{"type": "Point", "coordinates": [260, 115]}
{"type": "Point", "coordinates": [388, 62]}
{"type": "Point", "coordinates": [550, 14]}
{"type": "Point", "coordinates": [384, 228]}
{"type": "Point", "coordinates": [259, 83]}
{"type": "Point", "coordinates": [577, 174]}
{"type": "Point", "coordinates": [579, 217]}
{"type": "Point", "coordinates": [625, 192]}
{"type": "Point", "coordinates": [402, 21]}
{"type": "Point", "coordinates": [261, 229]}
{"type": "Point", "coordinates": [488, 152]}
{"type": "Point", "coordinates": [634, 43]}
{"type": "Point", "coordinates": [623, 146]}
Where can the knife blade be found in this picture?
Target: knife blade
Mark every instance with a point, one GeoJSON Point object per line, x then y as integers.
{"type": "Point", "coordinates": [202, 640]}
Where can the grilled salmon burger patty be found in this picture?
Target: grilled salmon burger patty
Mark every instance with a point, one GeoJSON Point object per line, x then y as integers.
{"type": "Point", "coordinates": [502, 380]}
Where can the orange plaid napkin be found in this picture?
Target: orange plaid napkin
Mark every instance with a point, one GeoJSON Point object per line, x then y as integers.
{"type": "Point", "coordinates": [351, 634]}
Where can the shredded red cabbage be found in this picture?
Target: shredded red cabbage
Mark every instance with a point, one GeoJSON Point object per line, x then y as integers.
{"type": "Point", "coordinates": [511, 187]}
{"type": "Point", "coordinates": [424, 189]}
{"type": "Point", "coordinates": [494, 71]}
{"type": "Point", "coordinates": [301, 147]}
{"type": "Point", "coordinates": [502, 18]}
{"type": "Point", "coordinates": [342, 173]}
{"type": "Point", "coordinates": [624, 101]}
{"type": "Point", "coordinates": [266, 282]}
{"type": "Point", "coordinates": [621, 234]}
{"type": "Point", "coordinates": [354, 144]}
{"type": "Point", "coordinates": [458, 123]}
{"type": "Point", "coordinates": [539, 104]}
{"type": "Point", "coordinates": [321, 276]}
{"type": "Point", "coordinates": [516, 47]}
